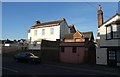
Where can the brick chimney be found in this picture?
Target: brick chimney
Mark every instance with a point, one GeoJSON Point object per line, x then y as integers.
{"type": "Point", "coordinates": [100, 16]}
{"type": "Point", "coordinates": [100, 22]}
{"type": "Point", "coordinates": [37, 22]}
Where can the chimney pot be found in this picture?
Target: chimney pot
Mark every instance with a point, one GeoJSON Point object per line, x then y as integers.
{"type": "Point", "coordinates": [37, 22]}
{"type": "Point", "coordinates": [100, 7]}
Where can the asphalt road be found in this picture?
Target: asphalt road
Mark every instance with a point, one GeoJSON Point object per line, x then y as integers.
{"type": "Point", "coordinates": [11, 68]}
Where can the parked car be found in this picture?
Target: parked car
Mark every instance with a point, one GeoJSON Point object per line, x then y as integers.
{"type": "Point", "coordinates": [27, 57]}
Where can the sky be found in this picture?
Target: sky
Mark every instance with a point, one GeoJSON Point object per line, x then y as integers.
{"type": "Point", "coordinates": [18, 17]}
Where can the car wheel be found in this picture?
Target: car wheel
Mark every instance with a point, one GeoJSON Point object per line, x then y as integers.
{"type": "Point", "coordinates": [31, 61]}
{"type": "Point", "coordinates": [39, 61]}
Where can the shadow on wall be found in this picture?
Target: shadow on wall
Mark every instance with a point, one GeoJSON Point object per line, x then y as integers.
{"type": "Point", "coordinates": [50, 50]}
{"type": "Point", "coordinates": [91, 52]}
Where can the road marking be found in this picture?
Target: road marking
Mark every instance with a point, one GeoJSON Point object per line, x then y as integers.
{"type": "Point", "coordinates": [85, 70]}
{"type": "Point", "coordinates": [9, 69]}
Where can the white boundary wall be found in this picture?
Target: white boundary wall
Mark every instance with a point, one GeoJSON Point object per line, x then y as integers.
{"type": "Point", "coordinates": [101, 56]}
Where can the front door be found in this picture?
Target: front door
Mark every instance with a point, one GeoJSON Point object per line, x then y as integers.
{"type": "Point", "coordinates": [111, 58]}
{"type": "Point", "coordinates": [80, 54]}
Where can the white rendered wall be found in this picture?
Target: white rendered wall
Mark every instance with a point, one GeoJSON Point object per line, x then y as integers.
{"type": "Point", "coordinates": [58, 33]}
{"type": "Point", "coordinates": [47, 36]}
{"type": "Point", "coordinates": [103, 41]}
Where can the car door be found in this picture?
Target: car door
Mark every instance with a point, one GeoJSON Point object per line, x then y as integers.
{"type": "Point", "coordinates": [23, 57]}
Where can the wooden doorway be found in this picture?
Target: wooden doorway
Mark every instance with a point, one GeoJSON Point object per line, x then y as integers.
{"type": "Point", "coordinates": [111, 57]}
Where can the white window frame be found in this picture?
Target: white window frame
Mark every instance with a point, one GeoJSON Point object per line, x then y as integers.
{"type": "Point", "coordinates": [35, 32]}
{"type": "Point", "coordinates": [43, 31]}
{"type": "Point", "coordinates": [116, 31]}
{"type": "Point", "coordinates": [108, 32]}
{"type": "Point", "coordinates": [51, 31]}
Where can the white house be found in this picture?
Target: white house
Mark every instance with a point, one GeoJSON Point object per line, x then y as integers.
{"type": "Point", "coordinates": [48, 31]}
{"type": "Point", "coordinates": [108, 51]}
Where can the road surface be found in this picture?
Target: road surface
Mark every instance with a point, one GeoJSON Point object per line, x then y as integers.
{"type": "Point", "coordinates": [10, 68]}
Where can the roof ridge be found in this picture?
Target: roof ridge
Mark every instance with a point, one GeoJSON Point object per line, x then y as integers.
{"type": "Point", "coordinates": [50, 22]}
{"type": "Point", "coordinates": [87, 32]}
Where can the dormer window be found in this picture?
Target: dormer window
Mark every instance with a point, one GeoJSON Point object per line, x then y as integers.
{"type": "Point", "coordinates": [113, 31]}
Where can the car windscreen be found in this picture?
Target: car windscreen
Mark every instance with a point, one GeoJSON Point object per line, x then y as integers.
{"type": "Point", "coordinates": [29, 54]}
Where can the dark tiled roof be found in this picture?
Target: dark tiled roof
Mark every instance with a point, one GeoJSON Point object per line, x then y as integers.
{"type": "Point", "coordinates": [110, 18]}
{"type": "Point", "coordinates": [68, 36]}
{"type": "Point", "coordinates": [72, 28]}
{"type": "Point", "coordinates": [48, 23]}
{"type": "Point", "coordinates": [87, 34]}
{"type": "Point", "coordinates": [114, 22]}
{"type": "Point", "coordinates": [9, 42]}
